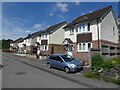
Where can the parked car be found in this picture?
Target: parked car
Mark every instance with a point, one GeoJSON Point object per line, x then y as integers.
{"type": "Point", "coordinates": [64, 62]}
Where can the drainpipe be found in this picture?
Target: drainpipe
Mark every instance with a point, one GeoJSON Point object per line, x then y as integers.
{"type": "Point", "coordinates": [98, 33]}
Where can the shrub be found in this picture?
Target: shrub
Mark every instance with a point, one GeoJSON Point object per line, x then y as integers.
{"type": "Point", "coordinates": [108, 65]}
{"type": "Point", "coordinates": [112, 80]}
{"type": "Point", "coordinates": [97, 61]}
{"type": "Point", "coordinates": [111, 63]}
{"type": "Point", "coordinates": [92, 74]}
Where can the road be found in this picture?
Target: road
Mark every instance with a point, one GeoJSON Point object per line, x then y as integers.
{"type": "Point", "coordinates": [21, 72]}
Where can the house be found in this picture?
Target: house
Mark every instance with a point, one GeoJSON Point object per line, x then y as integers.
{"type": "Point", "coordinates": [50, 40]}
{"type": "Point", "coordinates": [95, 31]}
{"type": "Point", "coordinates": [16, 45]}
{"type": "Point", "coordinates": [29, 43]}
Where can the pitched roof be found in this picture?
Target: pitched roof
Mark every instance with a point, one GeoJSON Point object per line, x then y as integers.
{"type": "Point", "coordinates": [49, 29]}
{"type": "Point", "coordinates": [33, 34]}
{"type": "Point", "coordinates": [53, 27]}
{"type": "Point", "coordinates": [68, 40]}
{"type": "Point", "coordinates": [18, 40]}
{"type": "Point", "coordinates": [90, 16]}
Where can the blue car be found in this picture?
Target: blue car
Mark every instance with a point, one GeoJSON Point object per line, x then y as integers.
{"type": "Point", "coordinates": [64, 62]}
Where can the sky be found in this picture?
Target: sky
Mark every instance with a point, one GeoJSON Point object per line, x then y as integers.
{"type": "Point", "coordinates": [21, 18]}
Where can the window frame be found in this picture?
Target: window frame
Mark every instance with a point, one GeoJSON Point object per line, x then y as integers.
{"type": "Point", "coordinates": [84, 28]}
{"type": "Point", "coordinates": [43, 47]}
{"type": "Point", "coordinates": [72, 30]}
{"type": "Point", "coordinates": [44, 36]}
{"type": "Point", "coordinates": [85, 47]}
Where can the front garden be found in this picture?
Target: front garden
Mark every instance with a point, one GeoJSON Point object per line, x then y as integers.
{"type": "Point", "coordinates": [107, 70]}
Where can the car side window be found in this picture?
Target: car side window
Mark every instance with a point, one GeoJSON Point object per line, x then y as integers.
{"type": "Point", "coordinates": [52, 57]}
{"type": "Point", "coordinates": [57, 58]}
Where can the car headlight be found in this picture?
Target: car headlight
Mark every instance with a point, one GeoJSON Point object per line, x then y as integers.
{"type": "Point", "coordinates": [72, 65]}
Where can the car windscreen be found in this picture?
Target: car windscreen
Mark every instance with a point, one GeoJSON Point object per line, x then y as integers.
{"type": "Point", "coordinates": [67, 58]}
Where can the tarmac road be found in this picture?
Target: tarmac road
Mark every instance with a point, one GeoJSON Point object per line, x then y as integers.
{"type": "Point", "coordinates": [21, 72]}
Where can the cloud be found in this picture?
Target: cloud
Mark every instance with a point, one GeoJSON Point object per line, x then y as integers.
{"type": "Point", "coordinates": [62, 6]}
{"type": "Point", "coordinates": [51, 14]}
{"type": "Point", "coordinates": [11, 30]}
{"type": "Point", "coordinates": [83, 13]}
{"type": "Point", "coordinates": [90, 11]}
{"type": "Point", "coordinates": [77, 3]}
{"type": "Point", "coordinates": [37, 26]}
{"type": "Point", "coordinates": [28, 31]}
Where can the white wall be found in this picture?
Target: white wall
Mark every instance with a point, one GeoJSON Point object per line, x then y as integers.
{"type": "Point", "coordinates": [20, 44]}
{"type": "Point", "coordinates": [39, 39]}
{"type": "Point", "coordinates": [93, 28]}
{"type": "Point", "coordinates": [72, 37]}
{"type": "Point", "coordinates": [33, 40]}
{"type": "Point", "coordinates": [57, 36]}
{"type": "Point", "coordinates": [107, 25]}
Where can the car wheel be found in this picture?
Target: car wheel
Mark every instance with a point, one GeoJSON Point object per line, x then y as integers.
{"type": "Point", "coordinates": [67, 70]}
{"type": "Point", "coordinates": [49, 65]}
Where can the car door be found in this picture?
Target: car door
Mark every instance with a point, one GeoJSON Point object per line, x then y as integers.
{"type": "Point", "coordinates": [52, 61]}
{"type": "Point", "coordinates": [59, 62]}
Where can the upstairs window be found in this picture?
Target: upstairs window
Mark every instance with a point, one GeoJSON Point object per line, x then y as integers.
{"type": "Point", "coordinates": [72, 30]}
{"type": "Point", "coordinates": [84, 27]}
{"type": "Point", "coordinates": [81, 27]}
{"type": "Point", "coordinates": [88, 26]}
{"type": "Point", "coordinates": [44, 36]}
{"type": "Point", "coordinates": [114, 31]}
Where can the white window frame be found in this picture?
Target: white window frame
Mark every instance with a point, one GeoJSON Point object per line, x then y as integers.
{"type": "Point", "coordinates": [86, 47]}
{"type": "Point", "coordinates": [83, 30]}
{"type": "Point", "coordinates": [72, 30]}
{"type": "Point", "coordinates": [43, 47]}
{"type": "Point", "coordinates": [44, 36]}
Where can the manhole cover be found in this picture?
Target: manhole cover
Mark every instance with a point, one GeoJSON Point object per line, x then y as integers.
{"type": "Point", "coordinates": [20, 73]}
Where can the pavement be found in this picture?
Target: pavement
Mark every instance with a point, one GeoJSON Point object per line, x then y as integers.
{"type": "Point", "coordinates": [27, 73]}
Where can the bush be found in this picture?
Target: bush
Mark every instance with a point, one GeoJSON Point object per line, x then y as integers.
{"type": "Point", "coordinates": [97, 61]}
{"type": "Point", "coordinates": [92, 74]}
{"type": "Point", "coordinates": [108, 65]}
{"type": "Point", "coordinates": [112, 80]}
{"type": "Point", "coordinates": [111, 63]}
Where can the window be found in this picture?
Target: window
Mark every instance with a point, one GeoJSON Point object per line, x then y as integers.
{"type": "Point", "coordinates": [76, 28]}
{"type": "Point", "coordinates": [88, 26]}
{"type": "Point", "coordinates": [114, 31]}
{"type": "Point", "coordinates": [57, 58]}
{"type": "Point", "coordinates": [72, 30]}
{"type": "Point", "coordinates": [80, 46]}
{"type": "Point", "coordinates": [81, 27]}
{"type": "Point", "coordinates": [44, 36]}
{"type": "Point", "coordinates": [84, 46]}
{"type": "Point", "coordinates": [89, 45]}
{"type": "Point", "coordinates": [44, 47]}
{"type": "Point", "coordinates": [52, 57]}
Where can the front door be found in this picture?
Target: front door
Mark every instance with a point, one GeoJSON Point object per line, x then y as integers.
{"type": "Point", "coordinates": [69, 49]}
